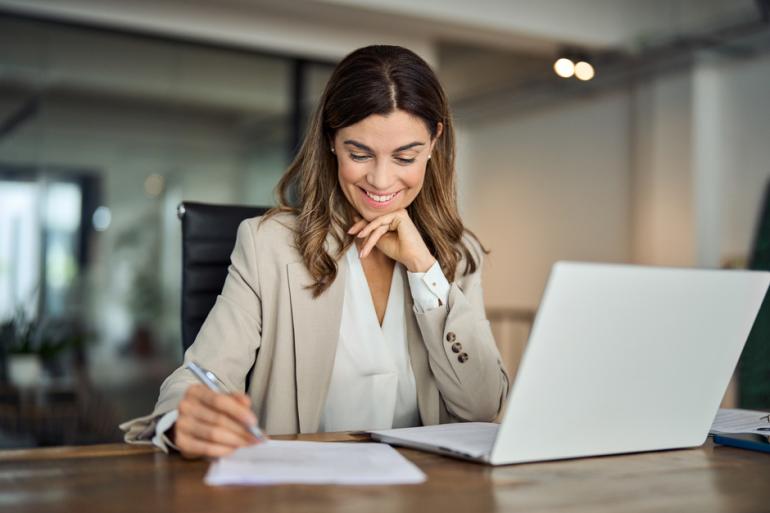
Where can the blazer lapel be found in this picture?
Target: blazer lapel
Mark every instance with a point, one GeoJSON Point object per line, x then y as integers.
{"type": "Point", "coordinates": [427, 392]}
{"type": "Point", "coordinates": [316, 331]}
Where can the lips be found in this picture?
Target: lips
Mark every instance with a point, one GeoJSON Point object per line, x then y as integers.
{"type": "Point", "coordinates": [381, 197]}
{"type": "Point", "coordinates": [378, 200]}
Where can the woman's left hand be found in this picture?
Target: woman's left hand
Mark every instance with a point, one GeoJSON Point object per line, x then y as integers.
{"type": "Point", "coordinates": [395, 235]}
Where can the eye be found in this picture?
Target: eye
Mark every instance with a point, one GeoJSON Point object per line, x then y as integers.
{"type": "Point", "coordinates": [405, 161]}
{"type": "Point", "coordinates": [358, 158]}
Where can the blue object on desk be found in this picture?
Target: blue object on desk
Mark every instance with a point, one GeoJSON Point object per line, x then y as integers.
{"type": "Point", "coordinates": [750, 442]}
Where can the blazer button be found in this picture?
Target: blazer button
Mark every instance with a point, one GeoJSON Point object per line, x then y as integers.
{"type": "Point", "coordinates": [457, 347]}
{"type": "Point", "coordinates": [450, 337]}
{"type": "Point", "coordinates": [462, 357]}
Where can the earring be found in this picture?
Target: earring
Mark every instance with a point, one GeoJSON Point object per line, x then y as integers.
{"type": "Point", "coordinates": [428, 157]}
{"type": "Point", "coordinates": [333, 150]}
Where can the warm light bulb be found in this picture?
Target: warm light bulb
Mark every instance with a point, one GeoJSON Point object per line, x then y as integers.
{"type": "Point", "coordinates": [564, 67]}
{"type": "Point", "coordinates": [584, 71]}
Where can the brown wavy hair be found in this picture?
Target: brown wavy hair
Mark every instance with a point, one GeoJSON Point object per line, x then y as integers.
{"type": "Point", "coordinates": [376, 79]}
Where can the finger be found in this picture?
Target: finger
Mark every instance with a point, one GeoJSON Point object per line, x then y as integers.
{"type": "Point", "coordinates": [203, 414]}
{"type": "Point", "coordinates": [224, 403]}
{"type": "Point", "coordinates": [194, 407]}
{"type": "Point", "coordinates": [357, 226]}
{"type": "Point", "coordinates": [209, 433]}
{"type": "Point", "coordinates": [368, 228]}
{"type": "Point", "coordinates": [195, 388]}
{"type": "Point", "coordinates": [191, 447]}
{"type": "Point", "coordinates": [380, 221]}
{"type": "Point", "coordinates": [244, 399]}
{"type": "Point", "coordinates": [372, 240]}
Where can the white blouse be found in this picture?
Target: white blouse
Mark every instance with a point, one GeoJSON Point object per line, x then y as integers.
{"type": "Point", "coordinates": [372, 384]}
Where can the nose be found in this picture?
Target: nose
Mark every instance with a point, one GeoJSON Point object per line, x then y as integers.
{"type": "Point", "coordinates": [381, 176]}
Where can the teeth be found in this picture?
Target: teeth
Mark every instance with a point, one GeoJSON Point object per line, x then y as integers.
{"type": "Point", "coordinates": [380, 199]}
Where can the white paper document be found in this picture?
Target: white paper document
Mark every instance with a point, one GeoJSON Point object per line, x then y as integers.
{"type": "Point", "coordinates": [733, 420]}
{"type": "Point", "coordinates": [285, 462]}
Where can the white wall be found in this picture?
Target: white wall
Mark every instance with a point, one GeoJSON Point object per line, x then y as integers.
{"type": "Point", "coordinates": [700, 162]}
{"type": "Point", "coordinates": [669, 172]}
{"type": "Point", "coordinates": [744, 133]}
{"type": "Point", "coordinates": [547, 186]}
{"type": "Point", "coordinates": [661, 204]}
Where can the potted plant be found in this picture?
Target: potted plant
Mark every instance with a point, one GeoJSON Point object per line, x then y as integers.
{"type": "Point", "coordinates": [34, 347]}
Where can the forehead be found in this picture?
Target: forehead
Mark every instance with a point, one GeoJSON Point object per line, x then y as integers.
{"type": "Point", "coordinates": [385, 133]}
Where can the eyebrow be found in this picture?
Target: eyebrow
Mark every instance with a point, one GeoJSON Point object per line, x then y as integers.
{"type": "Point", "coordinates": [367, 148]}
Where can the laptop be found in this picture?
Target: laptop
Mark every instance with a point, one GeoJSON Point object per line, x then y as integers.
{"type": "Point", "coordinates": [620, 359]}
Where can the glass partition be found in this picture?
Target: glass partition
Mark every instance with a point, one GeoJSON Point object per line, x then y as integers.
{"type": "Point", "coordinates": [102, 134]}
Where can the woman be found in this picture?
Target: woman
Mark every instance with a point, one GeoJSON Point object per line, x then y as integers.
{"type": "Point", "coordinates": [338, 299]}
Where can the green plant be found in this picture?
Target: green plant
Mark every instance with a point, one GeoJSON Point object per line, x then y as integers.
{"type": "Point", "coordinates": [47, 338]}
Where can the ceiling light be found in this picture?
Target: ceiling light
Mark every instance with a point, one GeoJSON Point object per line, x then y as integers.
{"type": "Point", "coordinates": [564, 67]}
{"type": "Point", "coordinates": [584, 71]}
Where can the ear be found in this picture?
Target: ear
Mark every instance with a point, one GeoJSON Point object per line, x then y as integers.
{"type": "Point", "coordinates": [439, 131]}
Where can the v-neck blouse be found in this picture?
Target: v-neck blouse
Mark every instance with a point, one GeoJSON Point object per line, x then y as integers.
{"type": "Point", "coordinates": [372, 384]}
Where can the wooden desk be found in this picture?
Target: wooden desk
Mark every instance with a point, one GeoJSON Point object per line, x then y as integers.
{"type": "Point", "coordinates": [122, 478]}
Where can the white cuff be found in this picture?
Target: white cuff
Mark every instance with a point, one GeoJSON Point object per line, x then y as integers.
{"type": "Point", "coordinates": [163, 425]}
{"type": "Point", "coordinates": [429, 289]}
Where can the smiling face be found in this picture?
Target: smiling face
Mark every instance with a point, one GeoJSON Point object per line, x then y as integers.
{"type": "Point", "coordinates": [381, 161]}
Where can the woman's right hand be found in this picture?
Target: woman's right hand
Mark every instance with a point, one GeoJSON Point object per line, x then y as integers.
{"type": "Point", "coordinates": [212, 424]}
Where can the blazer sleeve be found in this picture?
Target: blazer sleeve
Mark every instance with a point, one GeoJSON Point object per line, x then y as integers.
{"type": "Point", "coordinates": [462, 353]}
{"type": "Point", "coordinates": [227, 343]}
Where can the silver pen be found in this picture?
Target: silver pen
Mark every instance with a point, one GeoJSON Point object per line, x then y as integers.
{"type": "Point", "coordinates": [215, 384]}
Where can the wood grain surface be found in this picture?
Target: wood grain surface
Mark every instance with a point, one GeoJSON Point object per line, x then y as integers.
{"type": "Point", "coordinates": [131, 479]}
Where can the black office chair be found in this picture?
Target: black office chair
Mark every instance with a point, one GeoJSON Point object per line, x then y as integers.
{"type": "Point", "coordinates": [208, 237]}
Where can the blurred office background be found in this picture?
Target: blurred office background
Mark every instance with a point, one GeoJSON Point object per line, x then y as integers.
{"type": "Point", "coordinates": [113, 111]}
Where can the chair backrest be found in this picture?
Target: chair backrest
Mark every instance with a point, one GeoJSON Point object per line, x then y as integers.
{"type": "Point", "coordinates": [208, 237]}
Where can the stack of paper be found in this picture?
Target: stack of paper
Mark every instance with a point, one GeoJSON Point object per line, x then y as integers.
{"type": "Point", "coordinates": [280, 462]}
{"type": "Point", "coordinates": [735, 421]}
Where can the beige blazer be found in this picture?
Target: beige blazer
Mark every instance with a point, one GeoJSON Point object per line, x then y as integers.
{"type": "Point", "coordinates": [266, 318]}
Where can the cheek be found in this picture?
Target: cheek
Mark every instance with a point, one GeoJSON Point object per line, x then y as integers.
{"type": "Point", "coordinates": [414, 180]}
{"type": "Point", "coordinates": [349, 174]}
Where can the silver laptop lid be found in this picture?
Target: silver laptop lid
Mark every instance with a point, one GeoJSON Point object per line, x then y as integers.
{"type": "Point", "coordinates": [627, 358]}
